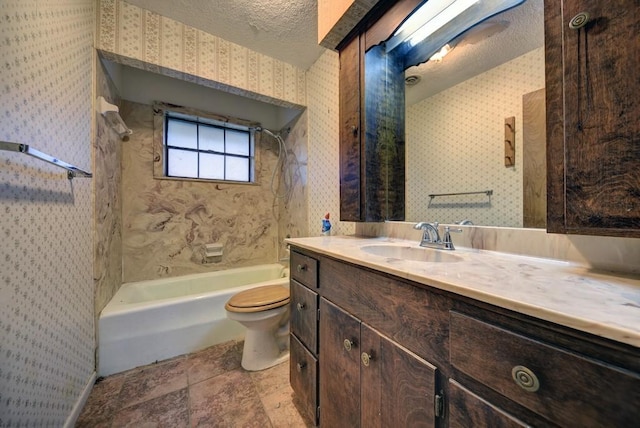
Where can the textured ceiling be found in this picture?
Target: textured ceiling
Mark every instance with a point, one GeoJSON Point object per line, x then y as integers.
{"type": "Point", "coordinates": [287, 30]}
{"type": "Point", "coordinates": [493, 42]}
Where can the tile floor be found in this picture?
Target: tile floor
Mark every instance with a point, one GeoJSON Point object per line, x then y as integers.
{"type": "Point", "coordinates": [203, 389]}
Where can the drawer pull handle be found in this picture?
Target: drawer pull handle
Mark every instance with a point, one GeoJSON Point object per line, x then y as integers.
{"type": "Point", "coordinates": [366, 358]}
{"type": "Point", "coordinates": [579, 21]}
{"type": "Point", "coordinates": [301, 268]}
{"type": "Point", "coordinates": [348, 344]}
{"type": "Point", "coordinates": [301, 306]}
{"type": "Point", "coordinates": [301, 366]}
{"type": "Point", "coordinates": [525, 378]}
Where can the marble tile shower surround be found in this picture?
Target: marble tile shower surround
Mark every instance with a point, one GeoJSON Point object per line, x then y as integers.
{"type": "Point", "coordinates": [107, 180]}
{"type": "Point", "coordinates": [46, 287]}
{"type": "Point", "coordinates": [139, 38]}
{"type": "Point", "coordinates": [596, 252]}
{"type": "Point", "coordinates": [292, 210]}
{"type": "Point", "coordinates": [167, 222]}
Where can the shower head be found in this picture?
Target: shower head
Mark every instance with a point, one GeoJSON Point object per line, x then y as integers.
{"type": "Point", "coordinates": [266, 131]}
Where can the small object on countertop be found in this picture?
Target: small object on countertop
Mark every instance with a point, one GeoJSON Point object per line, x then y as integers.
{"type": "Point", "coordinates": [326, 225]}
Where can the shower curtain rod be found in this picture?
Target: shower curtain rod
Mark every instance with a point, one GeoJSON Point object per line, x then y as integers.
{"type": "Point", "coordinates": [72, 171]}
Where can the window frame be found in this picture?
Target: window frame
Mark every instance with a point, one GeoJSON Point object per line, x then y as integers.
{"type": "Point", "coordinates": [163, 113]}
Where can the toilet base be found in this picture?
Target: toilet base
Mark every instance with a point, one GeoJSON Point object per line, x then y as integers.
{"type": "Point", "coordinates": [261, 351]}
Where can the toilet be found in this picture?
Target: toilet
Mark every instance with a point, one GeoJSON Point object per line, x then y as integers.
{"type": "Point", "coordinates": [264, 311]}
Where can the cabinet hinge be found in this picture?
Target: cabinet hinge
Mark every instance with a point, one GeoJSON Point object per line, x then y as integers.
{"type": "Point", "coordinates": [439, 405]}
{"type": "Point", "coordinates": [317, 413]}
{"type": "Point", "coordinates": [318, 316]}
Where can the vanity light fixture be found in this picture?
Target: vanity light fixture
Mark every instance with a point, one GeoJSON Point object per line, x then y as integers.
{"type": "Point", "coordinates": [428, 19]}
{"type": "Point", "coordinates": [438, 56]}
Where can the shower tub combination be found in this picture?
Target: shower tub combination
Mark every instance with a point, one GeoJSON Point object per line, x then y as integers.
{"type": "Point", "coordinates": [154, 320]}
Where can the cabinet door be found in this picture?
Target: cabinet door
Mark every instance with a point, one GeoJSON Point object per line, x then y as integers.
{"type": "Point", "coordinates": [397, 386]}
{"type": "Point", "coordinates": [339, 360]}
{"type": "Point", "coordinates": [593, 120]}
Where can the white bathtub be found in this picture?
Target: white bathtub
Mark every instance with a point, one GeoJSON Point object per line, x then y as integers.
{"type": "Point", "coordinates": [154, 320]}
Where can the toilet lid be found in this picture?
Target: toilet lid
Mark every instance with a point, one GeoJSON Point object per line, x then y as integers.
{"type": "Point", "coordinates": [259, 299]}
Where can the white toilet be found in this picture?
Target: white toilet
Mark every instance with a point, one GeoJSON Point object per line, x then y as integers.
{"type": "Point", "coordinates": [264, 311]}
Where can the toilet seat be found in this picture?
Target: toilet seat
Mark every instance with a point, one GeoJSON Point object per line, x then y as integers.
{"type": "Point", "coordinates": [259, 299]}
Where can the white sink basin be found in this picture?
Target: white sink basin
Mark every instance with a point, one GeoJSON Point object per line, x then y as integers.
{"type": "Point", "coordinates": [417, 254]}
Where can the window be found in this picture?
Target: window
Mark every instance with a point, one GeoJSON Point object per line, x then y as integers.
{"type": "Point", "coordinates": [207, 149]}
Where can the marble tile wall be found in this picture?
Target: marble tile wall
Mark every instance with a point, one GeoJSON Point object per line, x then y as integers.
{"type": "Point", "coordinates": [137, 37]}
{"type": "Point", "coordinates": [293, 208]}
{"type": "Point", "coordinates": [107, 179]}
{"type": "Point", "coordinates": [47, 337]}
{"type": "Point", "coordinates": [167, 222]}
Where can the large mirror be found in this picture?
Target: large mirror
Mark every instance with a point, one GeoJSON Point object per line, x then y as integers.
{"type": "Point", "coordinates": [459, 111]}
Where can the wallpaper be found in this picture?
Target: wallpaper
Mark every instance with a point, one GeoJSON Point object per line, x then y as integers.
{"type": "Point", "coordinates": [140, 38]}
{"type": "Point", "coordinates": [455, 143]}
{"type": "Point", "coordinates": [324, 165]}
{"type": "Point", "coordinates": [46, 288]}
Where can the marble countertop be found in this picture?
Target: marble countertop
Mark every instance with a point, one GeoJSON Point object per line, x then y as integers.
{"type": "Point", "coordinates": [600, 303]}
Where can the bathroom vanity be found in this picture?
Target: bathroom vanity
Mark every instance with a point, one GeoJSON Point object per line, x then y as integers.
{"type": "Point", "coordinates": [385, 333]}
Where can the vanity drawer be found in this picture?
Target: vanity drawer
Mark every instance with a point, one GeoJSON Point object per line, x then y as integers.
{"type": "Point", "coordinates": [563, 387]}
{"type": "Point", "coordinates": [304, 269]}
{"type": "Point", "coordinates": [304, 315]}
{"type": "Point", "coordinates": [466, 409]}
{"type": "Point", "coordinates": [303, 374]}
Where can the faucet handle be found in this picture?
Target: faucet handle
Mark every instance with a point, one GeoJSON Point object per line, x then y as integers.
{"type": "Point", "coordinates": [447, 242]}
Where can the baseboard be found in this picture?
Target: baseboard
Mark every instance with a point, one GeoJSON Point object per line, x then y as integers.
{"type": "Point", "coordinates": [77, 408]}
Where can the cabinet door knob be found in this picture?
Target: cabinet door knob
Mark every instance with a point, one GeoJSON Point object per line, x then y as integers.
{"type": "Point", "coordinates": [348, 344]}
{"type": "Point", "coordinates": [301, 306]}
{"type": "Point", "coordinates": [525, 378]}
{"type": "Point", "coordinates": [301, 366]}
{"type": "Point", "coordinates": [579, 21]}
{"type": "Point", "coordinates": [301, 268]}
{"type": "Point", "coordinates": [366, 358]}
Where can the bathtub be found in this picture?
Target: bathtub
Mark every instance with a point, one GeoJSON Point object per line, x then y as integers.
{"type": "Point", "coordinates": [154, 320]}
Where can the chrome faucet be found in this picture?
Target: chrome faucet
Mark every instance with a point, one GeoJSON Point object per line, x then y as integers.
{"type": "Point", "coordinates": [431, 236]}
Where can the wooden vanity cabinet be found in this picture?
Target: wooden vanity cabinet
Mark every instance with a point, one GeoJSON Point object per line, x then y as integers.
{"type": "Point", "coordinates": [303, 361]}
{"type": "Point", "coordinates": [391, 352]}
{"type": "Point", "coordinates": [381, 384]}
{"type": "Point", "coordinates": [593, 118]}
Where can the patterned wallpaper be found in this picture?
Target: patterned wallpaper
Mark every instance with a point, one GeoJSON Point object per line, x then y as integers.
{"type": "Point", "coordinates": [324, 166]}
{"type": "Point", "coordinates": [46, 288]}
{"type": "Point", "coordinates": [142, 39]}
{"type": "Point", "coordinates": [455, 143]}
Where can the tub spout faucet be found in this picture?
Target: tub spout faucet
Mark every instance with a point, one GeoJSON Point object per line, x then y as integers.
{"type": "Point", "coordinates": [431, 236]}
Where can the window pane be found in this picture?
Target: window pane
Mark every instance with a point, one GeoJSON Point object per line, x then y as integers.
{"type": "Point", "coordinates": [182, 163]}
{"type": "Point", "coordinates": [211, 138]}
{"type": "Point", "coordinates": [182, 134]}
{"type": "Point", "coordinates": [237, 142]}
{"type": "Point", "coordinates": [237, 169]}
{"type": "Point", "coordinates": [211, 166]}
